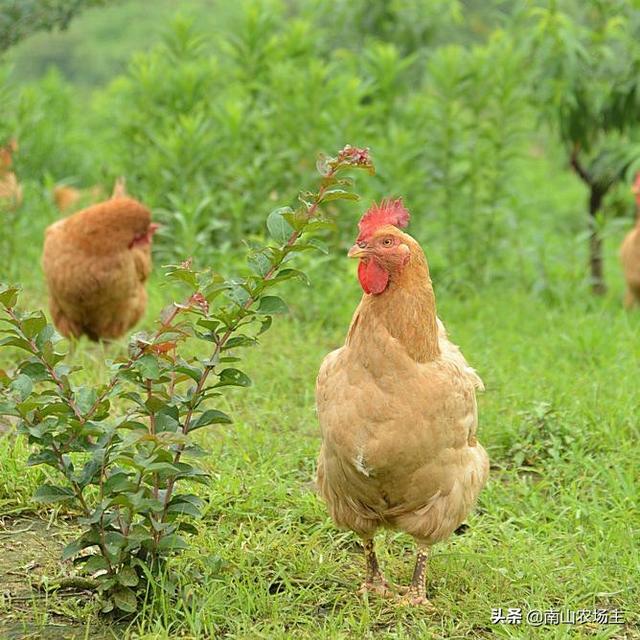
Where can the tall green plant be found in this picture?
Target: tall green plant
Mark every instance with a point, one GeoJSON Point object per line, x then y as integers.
{"type": "Point", "coordinates": [473, 122]}
{"type": "Point", "coordinates": [124, 454]}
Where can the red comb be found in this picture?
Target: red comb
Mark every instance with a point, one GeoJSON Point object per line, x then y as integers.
{"type": "Point", "coordinates": [387, 212]}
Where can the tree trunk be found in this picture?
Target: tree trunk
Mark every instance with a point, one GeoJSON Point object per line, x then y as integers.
{"type": "Point", "coordinates": [596, 262]}
{"type": "Point", "coordinates": [596, 195]}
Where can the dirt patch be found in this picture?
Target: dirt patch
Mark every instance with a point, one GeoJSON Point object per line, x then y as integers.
{"type": "Point", "coordinates": [30, 551]}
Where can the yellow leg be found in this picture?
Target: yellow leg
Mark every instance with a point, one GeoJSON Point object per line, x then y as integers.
{"type": "Point", "coordinates": [416, 594]}
{"type": "Point", "coordinates": [374, 581]}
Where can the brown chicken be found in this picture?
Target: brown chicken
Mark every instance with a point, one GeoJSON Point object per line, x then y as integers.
{"type": "Point", "coordinates": [10, 189]}
{"type": "Point", "coordinates": [630, 255]}
{"type": "Point", "coordinates": [397, 407]}
{"type": "Point", "coordinates": [96, 263]}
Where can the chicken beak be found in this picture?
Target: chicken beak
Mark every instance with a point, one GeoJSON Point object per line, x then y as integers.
{"type": "Point", "coordinates": [153, 227]}
{"type": "Point", "coordinates": [357, 252]}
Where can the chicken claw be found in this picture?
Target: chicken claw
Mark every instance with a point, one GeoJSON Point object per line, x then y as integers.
{"type": "Point", "coordinates": [416, 594]}
{"type": "Point", "coordinates": [379, 586]}
{"type": "Point", "coordinates": [374, 582]}
{"type": "Point", "coordinates": [413, 599]}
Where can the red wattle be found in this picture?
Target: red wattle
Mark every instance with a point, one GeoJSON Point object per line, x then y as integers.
{"type": "Point", "coordinates": [373, 278]}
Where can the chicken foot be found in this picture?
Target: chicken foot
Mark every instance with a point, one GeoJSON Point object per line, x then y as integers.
{"type": "Point", "coordinates": [374, 581]}
{"type": "Point", "coordinates": [416, 593]}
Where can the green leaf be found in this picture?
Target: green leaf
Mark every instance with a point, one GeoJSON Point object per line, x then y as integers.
{"type": "Point", "coordinates": [161, 467]}
{"type": "Point", "coordinates": [319, 245]}
{"type": "Point", "coordinates": [279, 229]}
{"type": "Point", "coordinates": [107, 607]}
{"type": "Point", "coordinates": [35, 370]}
{"type": "Point", "coordinates": [233, 377]}
{"type": "Point", "coordinates": [272, 304]}
{"type": "Point", "coordinates": [148, 367]}
{"type": "Point", "coordinates": [33, 325]}
{"type": "Point", "coordinates": [266, 324]}
{"type": "Point", "coordinates": [56, 409]}
{"type": "Point", "coordinates": [317, 225]}
{"type": "Point", "coordinates": [286, 274]}
{"type": "Point", "coordinates": [75, 547]}
{"type": "Point", "coordinates": [172, 542]}
{"type": "Point", "coordinates": [15, 341]}
{"type": "Point", "coordinates": [185, 507]}
{"type": "Point", "coordinates": [193, 372]}
{"type": "Point", "coordinates": [96, 563]}
{"type": "Point", "coordinates": [127, 577]}
{"type": "Point", "coordinates": [210, 416]}
{"type": "Point", "coordinates": [85, 398]}
{"type": "Point", "coordinates": [48, 493]}
{"type": "Point", "coordinates": [339, 194]}
{"type": "Point", "coordinates": [239, 341]}
{"type": "Point", "coordinates": [115, 541]}
{"type": "Point", "coordinates": [44, 457]}
{"type": "Point", "coordinates": [9, 297]}
{"type": "Point", "coordinates": [47, 333]}
{"type": "Point", "coordinates": [259, 262]}
{"type": "Point", "coordinates": [166, 422]}
{"type": "Point", "coordinates": [125, 599]}
{"type": "Point", "coordinates": [238, 294]}
{"type": "Point", "coordinates": [188, 527]}
{"type": "Point", "coordinates": [117, 482]}
{"type": "Point", "coordinates": [23, 385]}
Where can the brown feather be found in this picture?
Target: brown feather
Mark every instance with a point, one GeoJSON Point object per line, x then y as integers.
{"type": "Point", "coordinates": [397, 411]}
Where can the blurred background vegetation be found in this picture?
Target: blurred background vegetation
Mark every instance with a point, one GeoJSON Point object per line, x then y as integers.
{"type": "Point", "coordinates": [511, 130]}
{"type": "Point", "coordinates": [214, 112]}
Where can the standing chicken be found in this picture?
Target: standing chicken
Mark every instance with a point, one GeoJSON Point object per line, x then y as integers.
{"type": "Point", "coordinates": [397, 407]}
{"type": "Point", "coordinates": [630, 255]}
{"type": "Point", "coordinates": [96, 263]}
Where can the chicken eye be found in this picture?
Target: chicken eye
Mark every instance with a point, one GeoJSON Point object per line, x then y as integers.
{"type": "Point", "coordinates": [387, 242]}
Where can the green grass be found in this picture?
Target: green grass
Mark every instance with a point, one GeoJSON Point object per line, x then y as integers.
{"type": "Point", "coordinates": [558, 524]}
{"type": "Point", "coordinates": [555, 527]}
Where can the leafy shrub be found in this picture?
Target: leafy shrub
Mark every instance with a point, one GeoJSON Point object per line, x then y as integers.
{"type": "Point", "coordinates": [207, 127]}
{"type": "Point", "coordinates": [124, 452]}
{"type": "Point", "coordinates": [542, 437]}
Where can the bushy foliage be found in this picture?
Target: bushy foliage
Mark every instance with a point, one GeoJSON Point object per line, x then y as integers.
{"type": "Point", "coordinates": [206, 129]}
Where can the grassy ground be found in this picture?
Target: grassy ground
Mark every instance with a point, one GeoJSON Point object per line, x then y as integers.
{"type": "Point", "coordinates": [557, 526]}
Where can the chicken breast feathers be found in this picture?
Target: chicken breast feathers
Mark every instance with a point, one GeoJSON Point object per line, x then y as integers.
{"type": "Point", "coordinates": [399, 437]}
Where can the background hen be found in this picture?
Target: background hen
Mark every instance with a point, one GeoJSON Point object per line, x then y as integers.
{"type": "Point", "coordinates": [630, 255]}
{"type": "Point", "coordinates": [397, 407]}
{"type": "Point", "coordinates": [96, 263]}
{"type": "Point", "coordinates": [10, 189]}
